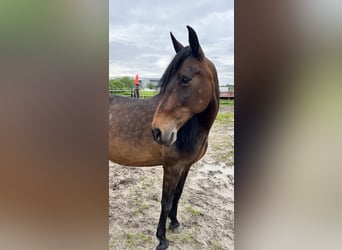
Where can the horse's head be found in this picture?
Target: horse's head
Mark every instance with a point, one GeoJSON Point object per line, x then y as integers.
{"type": "Point", "coordinates": [187, 88]}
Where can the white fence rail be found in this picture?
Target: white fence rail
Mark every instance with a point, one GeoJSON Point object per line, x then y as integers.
{"type": "Point", "coordinates": [116, 91]}
{"type": "Point", "coordinates": [128, 92]}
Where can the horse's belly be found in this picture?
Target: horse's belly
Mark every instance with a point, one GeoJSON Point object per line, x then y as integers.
{"type": "Point", "coordinates": [135, 154]}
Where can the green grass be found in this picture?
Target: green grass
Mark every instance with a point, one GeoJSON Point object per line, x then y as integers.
{"type": "Point", "coordinates": [215, 245]}
{"type": "Point", "coordinates": [226, 102]}
{"type": "Point", "coordinates": [134, 239]}
{"type": "Point", "coordinates": [225, 117]}
{"type": "Point", "coordinates": [147, 93]}
{"type": "Point", "coordinates": [186, 238]}
{"type": "Point", "coordinates": [192, 211]}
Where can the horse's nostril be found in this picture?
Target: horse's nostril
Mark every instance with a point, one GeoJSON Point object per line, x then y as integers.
{"type": "Point", "coordinates": [156, 134]}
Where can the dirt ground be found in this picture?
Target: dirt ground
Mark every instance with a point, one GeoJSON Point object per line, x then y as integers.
{"type": "Point", "coordinates": [206, 208]}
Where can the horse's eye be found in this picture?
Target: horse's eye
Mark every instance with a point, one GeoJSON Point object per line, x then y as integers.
{"type": "Point", "coordinates": [185, 80]}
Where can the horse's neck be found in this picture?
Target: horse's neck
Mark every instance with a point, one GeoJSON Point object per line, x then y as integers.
{"type": "Point", "coordinates": [207, 117]}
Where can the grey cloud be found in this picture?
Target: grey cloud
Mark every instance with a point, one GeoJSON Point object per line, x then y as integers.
{"type": "Point", "coordinates": [139, 34]}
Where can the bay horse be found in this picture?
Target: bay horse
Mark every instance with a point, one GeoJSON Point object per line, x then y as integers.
{"type": "Point", "coordinates": [170, 129]}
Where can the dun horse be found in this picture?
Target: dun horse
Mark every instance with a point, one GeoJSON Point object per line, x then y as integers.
{"type": "Point", "coordinates": [170, 129]}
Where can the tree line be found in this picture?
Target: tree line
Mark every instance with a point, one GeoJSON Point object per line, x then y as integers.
{"type": "Point", "coordinates": [124, 85]}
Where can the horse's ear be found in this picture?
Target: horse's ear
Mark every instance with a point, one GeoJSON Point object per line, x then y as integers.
{"type": "Point", "coordinates": [176, 45]}
{"type": "Point", "coordinates": [194, 44]}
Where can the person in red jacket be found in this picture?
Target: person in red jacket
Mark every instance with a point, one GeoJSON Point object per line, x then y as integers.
{"type": "Point", "coordinates": [136, 87]}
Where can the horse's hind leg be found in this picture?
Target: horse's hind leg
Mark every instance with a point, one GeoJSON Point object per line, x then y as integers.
{"type": "Point", "coordinates": [173, 213]}
{"type": "Point", "coordinates": [171, 178]}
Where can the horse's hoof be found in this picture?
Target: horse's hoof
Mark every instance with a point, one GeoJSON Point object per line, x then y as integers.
{"type": "Point", "coordinates": [174, 226]}
{"type": "Point", "coordinates": [163, 245]}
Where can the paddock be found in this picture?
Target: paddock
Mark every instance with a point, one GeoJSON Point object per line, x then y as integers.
{"type": "Point", "coordinates": [206, 208]}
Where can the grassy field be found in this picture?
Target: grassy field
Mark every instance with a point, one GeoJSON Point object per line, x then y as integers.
{"type": "Point", "coordinates": [206, 209]}
{"type": "Point", "coordinates": [148, 93]}
{"type": "Point", "coordinates": [228, 102]}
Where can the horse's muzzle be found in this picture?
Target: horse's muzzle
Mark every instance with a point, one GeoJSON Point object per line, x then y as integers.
{"type": "Point", "coordinates": [167, 138]}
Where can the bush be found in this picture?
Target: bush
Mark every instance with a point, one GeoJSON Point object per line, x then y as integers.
{"type": "Point", "coordinates": [150, 85]}
{"type": "Point", "coordinates": [121, 86]}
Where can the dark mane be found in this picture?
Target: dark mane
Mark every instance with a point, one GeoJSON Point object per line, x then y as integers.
{"type": "Point", "coordinates": [187, 135]}
{"type": "Point", "coordinates": [173, 67]}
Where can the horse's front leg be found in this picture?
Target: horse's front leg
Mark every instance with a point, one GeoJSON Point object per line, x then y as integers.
{"type": "Point", "coordinates": [173, 213]}
{"type": "Point", "coordinates": [170, 181]}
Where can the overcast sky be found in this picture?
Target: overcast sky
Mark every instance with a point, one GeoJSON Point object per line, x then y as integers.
{"type": "Point", "coordinates": [139, 39]}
